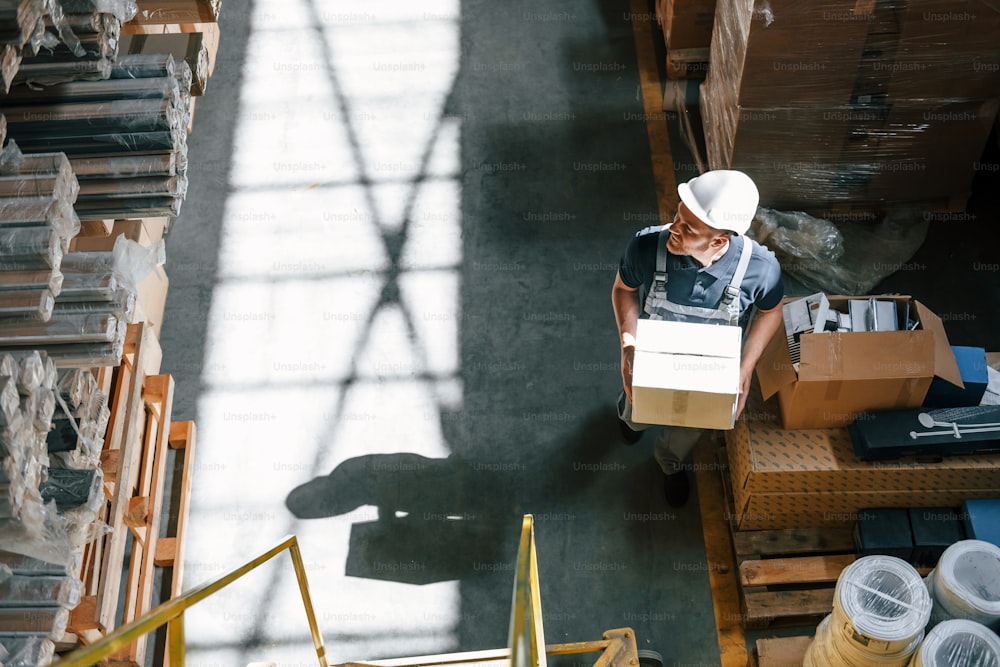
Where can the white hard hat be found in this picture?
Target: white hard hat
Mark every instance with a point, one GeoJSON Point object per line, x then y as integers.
{"type": "Point", "coordinates": [724, 199]}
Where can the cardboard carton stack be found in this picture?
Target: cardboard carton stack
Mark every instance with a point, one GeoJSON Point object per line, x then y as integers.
{"type": "Point", "coordinates": [830, 103]}
{"type": "Point", "coordinates": [792, 462]}
{"type": "Point", "coordinates": [687, 32]}
{"type": "Point", "coordinates": [784, 478]}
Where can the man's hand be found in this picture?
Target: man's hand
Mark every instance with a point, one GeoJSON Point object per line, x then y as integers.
{"type": "Point", "coordinates": [746, 374]}
{"type": "Point", "coordinates": [628, 358]}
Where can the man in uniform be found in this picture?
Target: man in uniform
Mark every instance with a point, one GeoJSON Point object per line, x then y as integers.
{"type": "Point", "coordinates": [700, 268]}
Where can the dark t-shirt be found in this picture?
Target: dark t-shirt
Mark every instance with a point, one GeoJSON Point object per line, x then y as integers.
{"type": "Point", "coordinates": [691, 284]}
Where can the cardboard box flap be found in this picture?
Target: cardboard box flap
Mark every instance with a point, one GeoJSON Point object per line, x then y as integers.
{"type": "Point", "coordinates": [687, 338]}
{"type": "Point", "coordinates": [945, 365]}
{"type": "Point", "coordinates": [774, 368]}
{"type": "Point", "coordinates": [866, 356]}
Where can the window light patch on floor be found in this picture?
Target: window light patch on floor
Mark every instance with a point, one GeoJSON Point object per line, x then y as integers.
{"type": "Point", "coordinates": [335, 320]}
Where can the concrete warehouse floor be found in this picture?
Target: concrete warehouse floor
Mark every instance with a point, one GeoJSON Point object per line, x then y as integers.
{"type": "Point", "coordinates": [389, 315]}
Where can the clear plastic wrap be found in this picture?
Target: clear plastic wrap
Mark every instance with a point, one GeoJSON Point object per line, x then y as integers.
{"type": "Point", "coordinates": [26, 565]}
{"type": "Point", "coordinates": [30, 247]}
{"type": "Point", "coordinates": [73, 328]}
{"type": "Point", "coordinates": [41, 535]}
{"type": "Point", "coordinates": [163, 164]}
{"type": "Point", "coordinates": [844, 257]}
{"type": "Point", "coordinates": [959, 643]}
{"type": "Point", "coordinates": [965, 584]}
{"type": "Point", "coordinates": [49, 622]}
{"type": "Point", "coordinates": [26, 304]}
{"type": "Point", "coordinates": [121, 304]}
{"type": "Point", "coordinates": [85, 355]}
{"type": "Point", "coordinates": [70, 488]}
{"type": "Point", "coordinates": [38, 591]}
{"type": "Point", "coordinates": [27, 651]}
{"type": "Point", "coordinates": [123, 10]}
{"type": "Point", "coordinates": [142, 66]}
{"type": "Point", "coordinates": [10, 400]}
{"type": "Point", "coordinates": [57, 19]}
{"type": "Point", "coordinates": [31, 371]}
{"type": "Point", "coordinates": [830, 103]}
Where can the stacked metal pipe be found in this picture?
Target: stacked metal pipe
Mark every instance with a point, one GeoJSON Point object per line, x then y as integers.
{"type": "Point", "coordinates": [80, 321]}
{"type": "Point", "coordinates": [126, 136]}
{"type": "Point", "coordinates": [47, 41]}
{"type": "Point", "coordinates": [51, 489]}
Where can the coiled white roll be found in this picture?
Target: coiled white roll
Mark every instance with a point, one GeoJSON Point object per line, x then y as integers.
{"type": "Point", "coordinates": [881, 605]}
{"type": "Point", "coordinates": [959, 643]}
{"type": "Point", "coordinates": [829, 650]}
{"type": "Point", "coordinates": [966, 583]}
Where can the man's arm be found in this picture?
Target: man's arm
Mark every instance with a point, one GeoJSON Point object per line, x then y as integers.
{"type": "Point", "coordinates": [625, 302]}
{"type": "Point", "coordinates": [761, 331]}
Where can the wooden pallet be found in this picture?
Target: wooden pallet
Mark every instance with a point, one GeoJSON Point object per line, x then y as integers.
{"type": "Point", "coordinates": [134, 462]}
{"type": "Point", "coordinates": [780, 651]}
{"type": "Point", "coordinates": [170, 549]}
{"type": "Point", "coordinates": [787, 576]}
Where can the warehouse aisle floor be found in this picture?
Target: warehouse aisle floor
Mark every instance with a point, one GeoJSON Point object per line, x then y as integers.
{"type": "Point", "coordinates": [389, 315]}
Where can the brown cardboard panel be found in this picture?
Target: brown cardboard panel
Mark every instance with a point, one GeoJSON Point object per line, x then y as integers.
{"type": "Point", "coordinates": [945, 365]}
{"type": "Point", "coordinates": [844, 374]}
{"type": "Point", "coordinates": [821, 510]}
{"type": "Point", "coordinates": [152, 300]}
{"type": "Point", "coordinates": [833, 403]}
{"type": "Point", "coordinates": [993, 360]}
{"type": "Point", "coordinates": [767, 459]}
{"type": "Point", "coordinates": [775, 511]}
{"type": "Point", "coordinates": [866, 356]}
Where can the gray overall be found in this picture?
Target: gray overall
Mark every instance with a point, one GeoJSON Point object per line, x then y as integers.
{"type": "Point", "coordinates": [674, 443]}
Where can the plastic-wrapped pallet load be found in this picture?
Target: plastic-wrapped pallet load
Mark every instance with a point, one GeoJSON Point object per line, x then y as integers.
{"type": "Point", "coordinates": [965, 584]}
{"type": "Point", "coordinates": [880, 608]}
{"type": "Point", "coordinates": [958, 643]}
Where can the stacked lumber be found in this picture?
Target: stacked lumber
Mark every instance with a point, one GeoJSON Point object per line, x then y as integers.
{"type": "Point", "coordinates": [47, 41]}
{"type": "Point", "coordinates": [48, 499]}
{"type": "Point", "coordinates": [125, 136]}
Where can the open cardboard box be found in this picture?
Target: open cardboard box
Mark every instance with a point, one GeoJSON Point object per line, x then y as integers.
{"type": "Point", "coordinates": [841, 375]}
{"type": "Point", "coordinates": [686, 374]}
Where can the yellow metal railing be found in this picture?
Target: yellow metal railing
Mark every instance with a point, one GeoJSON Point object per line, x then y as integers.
{"type": "Point", "coordinates": [526, 647]}
{"type": "Point", "coordinates": [527, 637]}
{"type": "Point", "coordinates": [171, 614]}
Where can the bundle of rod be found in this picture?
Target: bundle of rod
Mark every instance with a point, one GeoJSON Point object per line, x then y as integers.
{"type": "Point", "coordinates": [46, 41]}
{"type": "Point", "coordinates": [79, 423]}
{"type": "Point", "coordinates": [37, 221]}
{"type": "Point", "coordinates": [47, 512]}
{"type": "Point", "coordinates": [81, 47]}
{"type": "Point", "coordinates": [190, 47]}
{"type": "Point", "coordinates": [28, 403]}
{"type": "Point", "coordinates": [127, 135]}
{"type": "Point", "coordinates": [22, 26]}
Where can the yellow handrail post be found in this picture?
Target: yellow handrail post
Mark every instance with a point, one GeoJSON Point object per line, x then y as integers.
{"type": "Point", "coordinates": [175, 641]}
{"type": "Point", "coordinates": [527, 636]}
{"type": "Point", "coordinates": [300, 575]}
{"type": "Point", "coordinates": [171, 614]}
